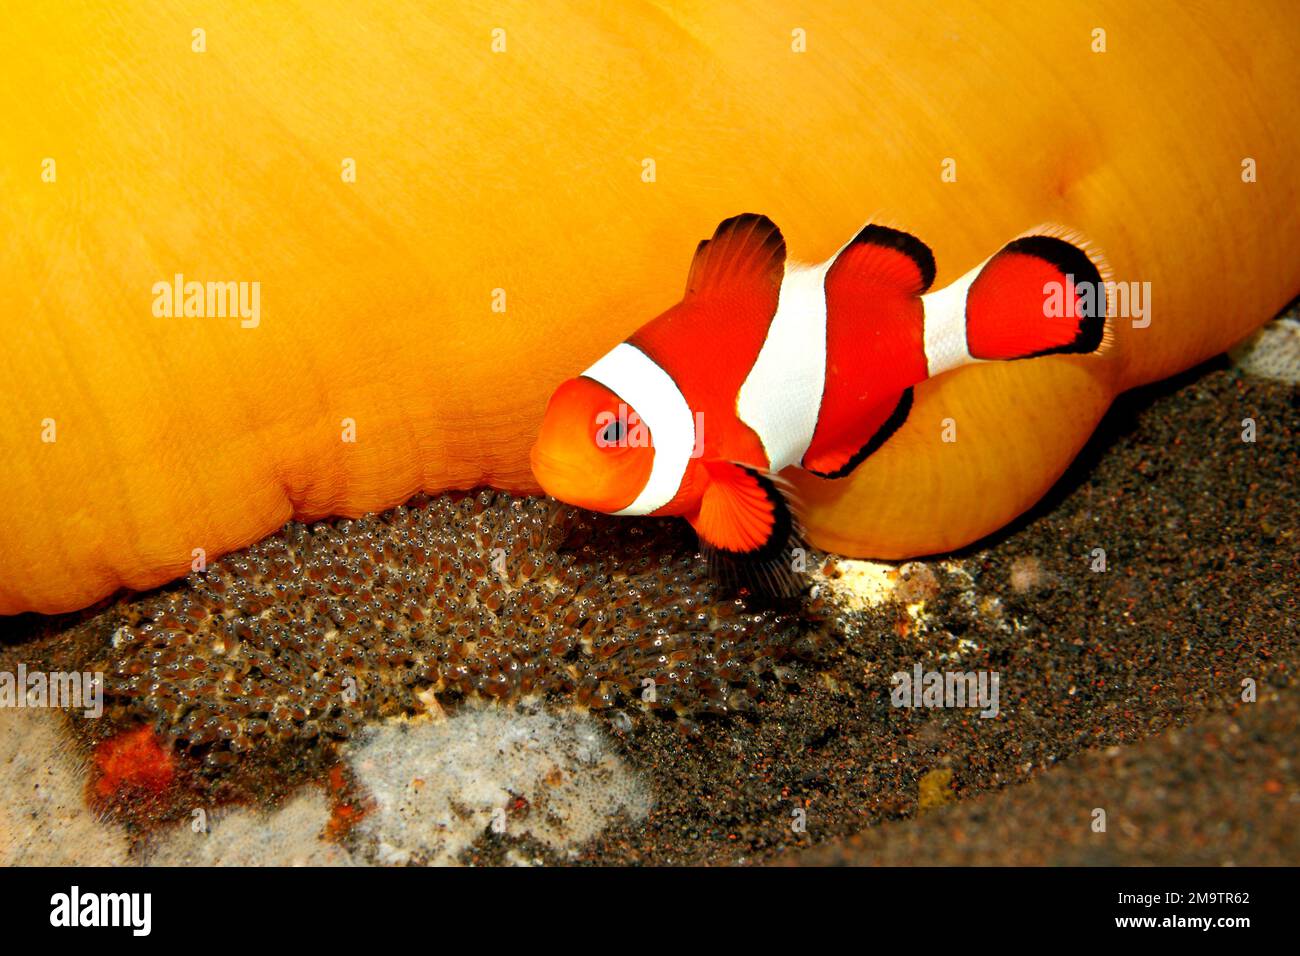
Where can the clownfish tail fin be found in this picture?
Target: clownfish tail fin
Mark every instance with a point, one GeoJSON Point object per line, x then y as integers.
{"type": "Point", "coordinates": [1039, 295]}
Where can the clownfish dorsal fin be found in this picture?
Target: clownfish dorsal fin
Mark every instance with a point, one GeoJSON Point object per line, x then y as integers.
{"type": "Point", "coordinates": [744, 250]}
{"type": "Point", "coordinates": [881, 258]}
{"type": "Point", "coordinates": [747, 528]}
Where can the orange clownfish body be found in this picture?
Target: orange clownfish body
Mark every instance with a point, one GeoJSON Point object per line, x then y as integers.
{"type": "Point", "coordinates": [766, 365]}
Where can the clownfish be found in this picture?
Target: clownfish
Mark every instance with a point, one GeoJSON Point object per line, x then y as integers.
{"type": "Point", "coordinates": [767, 364]}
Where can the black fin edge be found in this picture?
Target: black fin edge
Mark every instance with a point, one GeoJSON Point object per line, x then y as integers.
{"type": "Point", "coordinates": [751, 219]}
{"type": "Point", "coordinates": [903, 242]}
{"type": "Point", "coordinates": [773, 244]}
{"type": "Point", "coordinates": [885, 432]}
{"type": "Point", "coordinates": [1070, 260]}
{"type": "Point", "coordinates": [767, 570]}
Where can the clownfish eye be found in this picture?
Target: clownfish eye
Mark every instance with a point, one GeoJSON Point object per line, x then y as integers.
{"type": "Point", "coordinates": [611, 435]}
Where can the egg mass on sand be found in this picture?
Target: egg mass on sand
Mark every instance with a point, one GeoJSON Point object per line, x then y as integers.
{"type": "Point", "coordinates": [317, 628]}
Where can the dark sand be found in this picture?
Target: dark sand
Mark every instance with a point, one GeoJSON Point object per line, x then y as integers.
{"type": "Point", "coordinates": [1097, 672]}
{"type": "Point", "coordinates": [1120, 690]}
{"type": "Point", "coordinates": [1222, 791]}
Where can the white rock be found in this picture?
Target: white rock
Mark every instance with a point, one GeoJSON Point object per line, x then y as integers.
{"type": "Point", "coordinates": [439, 785]}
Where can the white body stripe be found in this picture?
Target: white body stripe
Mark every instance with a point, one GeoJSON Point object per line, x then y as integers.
{"type": "Point", "coordinates": [782, 395]}
{"type": "Point", "coordinates": [945, 325]}
{"type": "Point", "coordinates": [650, 391]}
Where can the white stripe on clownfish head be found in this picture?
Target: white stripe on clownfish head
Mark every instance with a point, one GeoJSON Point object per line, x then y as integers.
{"type": "Point", "coordinates": [651, 392]}
{"type": "Point", "coordinates": [781, 398]}
{"type": "Point", "coordinates": [945, 325]}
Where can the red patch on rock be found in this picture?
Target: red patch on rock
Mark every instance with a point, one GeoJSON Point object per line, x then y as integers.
{"type": "Point", "coordinates": [350, 806]}
{"type": "Point", "coordinates": [133, 762]}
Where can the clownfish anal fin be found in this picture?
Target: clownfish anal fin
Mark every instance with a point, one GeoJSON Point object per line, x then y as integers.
{"type": "Point", "coordinates": [744, 250]}
{"type": "Point", "coordinates": [748, 530]}
{"type": "Point", "coordinates": [888, 259]}
{"type": "Point", "coordinates": [878, 426]}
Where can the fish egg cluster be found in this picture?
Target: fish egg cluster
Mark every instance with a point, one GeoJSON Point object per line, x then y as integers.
{"type": "Point", "coordinates": [303, 636]}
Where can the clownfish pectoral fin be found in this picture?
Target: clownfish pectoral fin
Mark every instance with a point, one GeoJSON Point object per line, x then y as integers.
{"type": "Point", "coordinates": [1039, 295]}
{"type": "Point", "coordinates": [878, 426]}
{"type": "Point", "coordinates": [741, 510]}
{"type": "Point", "coordinates": [745, 250]}
{"type": "Point", "coordinates": [747, 529]}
